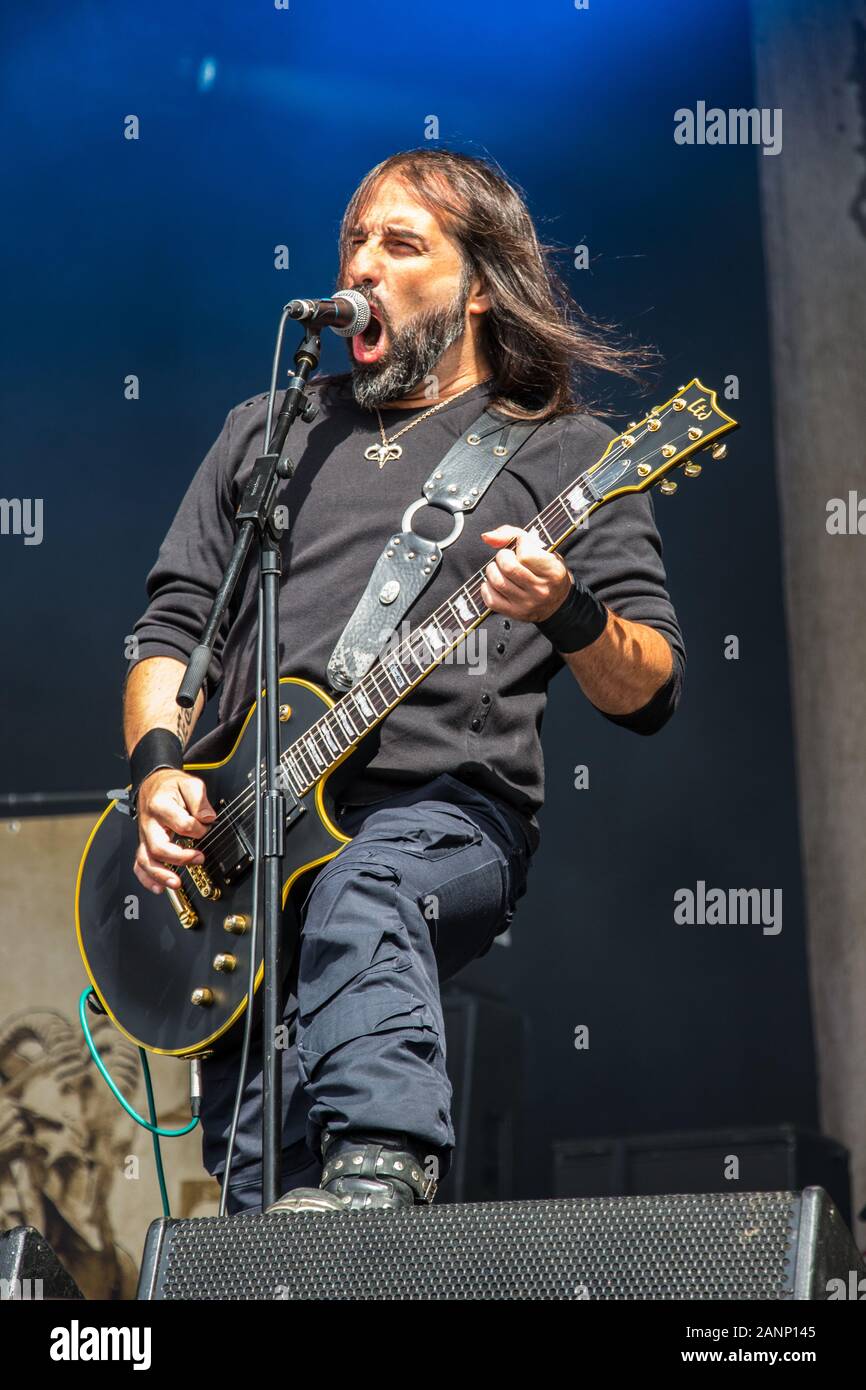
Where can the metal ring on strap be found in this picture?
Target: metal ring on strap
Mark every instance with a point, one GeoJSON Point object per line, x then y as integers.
{"type": "Point", "coordinates": [406, 523]}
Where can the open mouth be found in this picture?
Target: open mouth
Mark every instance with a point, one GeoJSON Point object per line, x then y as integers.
{"type": "Point", "coordinates": [369, 346]}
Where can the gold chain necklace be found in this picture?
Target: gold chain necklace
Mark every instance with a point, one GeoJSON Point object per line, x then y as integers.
{"type": "Point", "coordinates": [388, 449]}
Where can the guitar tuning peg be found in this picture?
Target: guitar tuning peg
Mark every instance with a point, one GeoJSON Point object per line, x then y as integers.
{"type": "Point", "coordinates": [667, 486]}
{"type": "Point", "coordinates": [718, 451]}
{"type": "Point", "coordinates": [692, 470]}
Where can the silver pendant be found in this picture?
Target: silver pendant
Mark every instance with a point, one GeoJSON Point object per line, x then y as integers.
{"type": "Point", "coordinates": [382, 453]}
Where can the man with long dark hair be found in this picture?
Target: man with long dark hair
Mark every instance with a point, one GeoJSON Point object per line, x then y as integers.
{"type": "Point", "coordinates": [442, 797]}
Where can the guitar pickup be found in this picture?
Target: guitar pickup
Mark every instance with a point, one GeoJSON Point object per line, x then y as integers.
{"type": "Point", "coordinates": [237, 844]}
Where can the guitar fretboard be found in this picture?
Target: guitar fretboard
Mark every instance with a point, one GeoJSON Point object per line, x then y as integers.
{"type": "Point", "coordinates": [394, 675]}
{"type": "Point", "coordinates": [635, 460]}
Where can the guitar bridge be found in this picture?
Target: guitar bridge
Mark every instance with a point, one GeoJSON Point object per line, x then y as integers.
{"type": "Point", "coordinates": [200, 876]}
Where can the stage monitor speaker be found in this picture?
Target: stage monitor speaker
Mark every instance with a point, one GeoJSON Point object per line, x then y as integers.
{"type": "Point", "coordinates": [29, 1268]}
{"type": "Point", "coordinates": [757, 1245]}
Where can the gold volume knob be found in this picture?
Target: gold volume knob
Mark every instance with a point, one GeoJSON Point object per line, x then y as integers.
{"type": "Point", "coordinates": [203, 997]}
{"type": "Point", "coordinates": [237, 922]}
{"type": "Point", "coordinates": [224, 961]}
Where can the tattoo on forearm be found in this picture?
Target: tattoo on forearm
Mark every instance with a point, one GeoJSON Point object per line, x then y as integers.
{"type": "Point", "coordinates": [184, 724]}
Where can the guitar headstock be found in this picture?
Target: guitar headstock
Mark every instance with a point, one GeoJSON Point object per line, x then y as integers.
{"type": "Point", "coordinates": [665, 439]}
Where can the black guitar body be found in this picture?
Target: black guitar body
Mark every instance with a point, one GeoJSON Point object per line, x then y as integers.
{"type": "Point", "coordinates": [147, 967]}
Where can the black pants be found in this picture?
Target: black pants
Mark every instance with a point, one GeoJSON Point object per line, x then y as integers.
{"type": "Point", "coordinates": [430, 878]}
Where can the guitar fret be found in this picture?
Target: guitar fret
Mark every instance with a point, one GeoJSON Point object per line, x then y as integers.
{"type": "Point", "coordinates": [302, 763]}
{"type": "Point", "coordinates": [357, 711]}
{"type": "Point", "coordinates": [337, 730]}
{"type": "Point", "coordinates": [375, 694]}
{"type": "Point", "coordinates": [455, 615]}
{"type": "Point", "coordinates": [310, 743]}
{"type": "Point", "coordinates": [297, 775]}
{"type": "Point", "coordinates": [402, 678]}
{"type": "Point", "coordinates": [435, 638]}
{"type": "Point", "coordinates": [578, 498]}
{"type": "Point", "coordinates": [320, 743]}
{"type": "Point", "coordinates": [330, 740]}
{"type": "Point", "coordinates": [389, 698]}
{"type": "Point", "coordinates": [448, 626]}
{"type": "Point", "coordinates": [464, 600]}
{"type": "Point", "coordinates": [376, 697]}
{"type": "Point", "coordinates": [294, 782]}
{"type": "Point", "coordinates": [348, 727]}
{"type": "Point", "coordinates": [477, 603]}
{"type": "Point", "coordinates": [349, 717]}
{"type": "Point", "coordinates": [364, 705]}
{"type": "Point", "coordinates": [562, 517]}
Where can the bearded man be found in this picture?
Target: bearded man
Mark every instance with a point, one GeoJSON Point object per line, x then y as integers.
{"type": "Point", "coordinates": [442, 797]}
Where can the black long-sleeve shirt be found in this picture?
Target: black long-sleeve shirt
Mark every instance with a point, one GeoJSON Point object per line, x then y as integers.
{"type": "Point", "coordinates": [479, 720]}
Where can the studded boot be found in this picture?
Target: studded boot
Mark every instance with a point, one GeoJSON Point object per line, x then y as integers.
{"type": "Point", "coordinates": [364, 1172]}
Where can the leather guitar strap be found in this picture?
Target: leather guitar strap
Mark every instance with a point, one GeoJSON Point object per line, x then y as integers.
{"type": "Point", "coordinates": [408, 562]}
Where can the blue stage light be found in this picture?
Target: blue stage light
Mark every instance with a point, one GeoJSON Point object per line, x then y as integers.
{"type": "Point", "coordinates": [207, 74]}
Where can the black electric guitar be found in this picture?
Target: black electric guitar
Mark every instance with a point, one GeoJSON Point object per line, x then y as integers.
{"type": "Point", "coordinates": [171, 969]}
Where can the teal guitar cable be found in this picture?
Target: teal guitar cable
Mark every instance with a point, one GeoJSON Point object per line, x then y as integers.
{"type": "Point", "coordinates": [155, 1131]}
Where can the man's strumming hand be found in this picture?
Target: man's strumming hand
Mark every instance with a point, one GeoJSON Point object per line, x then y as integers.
{"type": "Point", "coordinates": [169, 803]}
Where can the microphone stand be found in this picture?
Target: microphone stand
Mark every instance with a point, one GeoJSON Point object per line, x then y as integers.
{"type": "Point", "coordinates": [255, 519]}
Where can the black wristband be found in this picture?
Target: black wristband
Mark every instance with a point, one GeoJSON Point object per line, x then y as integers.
{"type": "Point", "coordinates": [658, 709]}
{"type": "Point", "coordinates": [157, 748]}
{"type": "Point", "coordinates": [579, 621]}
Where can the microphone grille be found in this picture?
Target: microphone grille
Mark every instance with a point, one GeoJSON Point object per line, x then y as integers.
{"type": "Point", "coordinates": [361, 317]}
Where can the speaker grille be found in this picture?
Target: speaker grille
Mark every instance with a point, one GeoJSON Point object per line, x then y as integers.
{"type": "Point", "coordinates": [684, 1246]}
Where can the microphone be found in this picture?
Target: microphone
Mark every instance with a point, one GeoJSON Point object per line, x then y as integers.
{"type": "Point", "coordinates": [347, 312]}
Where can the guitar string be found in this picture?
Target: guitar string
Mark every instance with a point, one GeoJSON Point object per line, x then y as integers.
{"type": "Point", "coordinates": [241, 804]}
{"type": "Point", "coordinates": [244, 801]}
